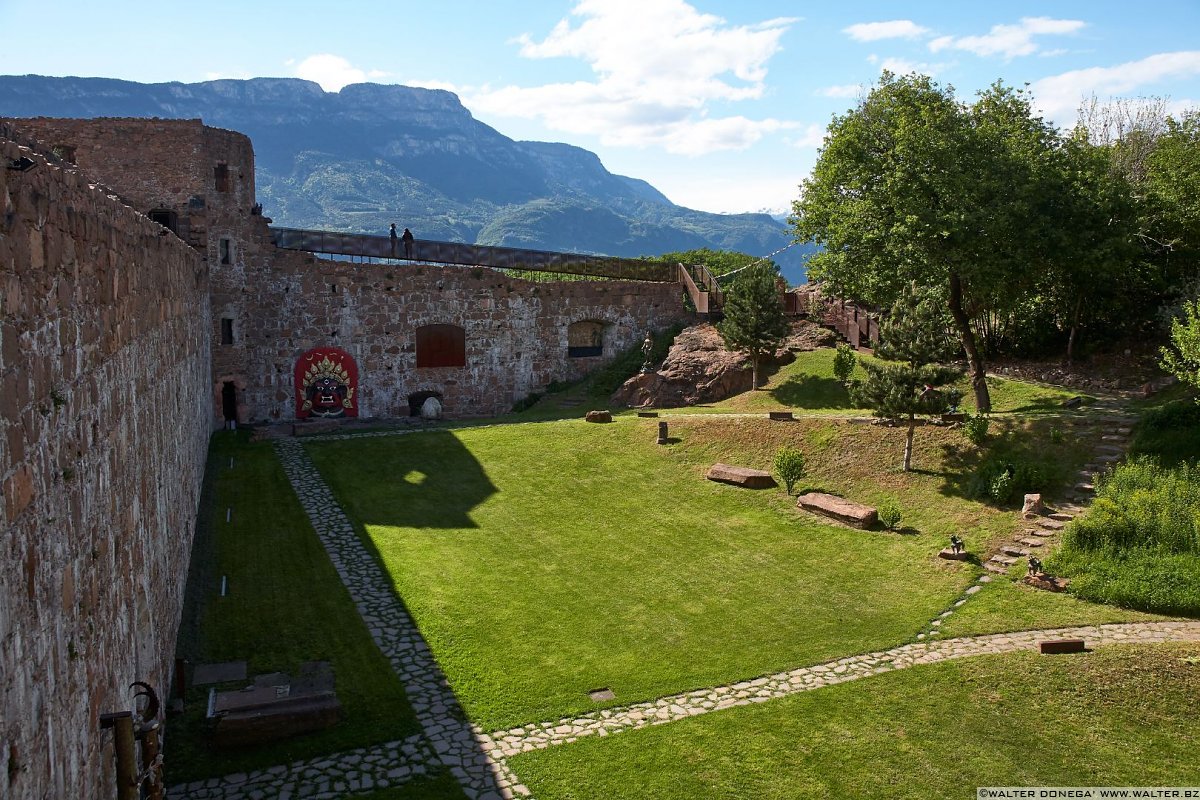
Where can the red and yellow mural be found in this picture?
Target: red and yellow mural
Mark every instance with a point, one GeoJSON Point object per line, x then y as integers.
{"type": "Point", "coordinates": [326, 381]}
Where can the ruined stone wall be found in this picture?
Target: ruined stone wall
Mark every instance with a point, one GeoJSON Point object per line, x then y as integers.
{"type": "Point", "coordinates": [104, 353]}
{"type": "Point", "coordinates": [516, 330]}
{"type": "Point", "coordinates": [159, 164]}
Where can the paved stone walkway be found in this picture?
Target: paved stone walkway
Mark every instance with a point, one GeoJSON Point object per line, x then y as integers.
{"type": "Point", "coordinates": [326, 778]}
{"type": "Point", "coordinates": [657, 712]}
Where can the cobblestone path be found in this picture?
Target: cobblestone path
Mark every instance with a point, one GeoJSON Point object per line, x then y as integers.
{"type": "Point", "coordinates": [603, 723]}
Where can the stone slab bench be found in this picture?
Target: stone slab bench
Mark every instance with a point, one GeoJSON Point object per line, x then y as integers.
{"type": "Point", "coordinates": [839, 508]}
{"type": "Point", "coordinates": [1049, 646]}
{"type": "Point", "coordinates": [741, 476]}
{"type": "Point", "coordinates": [780, 415]}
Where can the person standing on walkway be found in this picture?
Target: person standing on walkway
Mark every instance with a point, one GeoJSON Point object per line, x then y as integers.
{"type": "Point", "coordinates": [392, 234]}
{"type": "Point", "coordinates": [407, 238]}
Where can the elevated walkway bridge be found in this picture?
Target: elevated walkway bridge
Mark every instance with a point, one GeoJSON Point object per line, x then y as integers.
{"type": "Point", "coordinates": [697, 281]}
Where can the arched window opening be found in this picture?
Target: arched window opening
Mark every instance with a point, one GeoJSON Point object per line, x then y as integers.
{"type": "Point", "coordinates": [585, 339]}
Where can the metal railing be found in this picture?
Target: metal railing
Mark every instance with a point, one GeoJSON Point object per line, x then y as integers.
{"type": "Point", "coordinates": [473, 255]}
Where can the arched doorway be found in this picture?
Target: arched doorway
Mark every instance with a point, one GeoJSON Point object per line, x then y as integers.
{"type": "Point", "coordinates": [229, 402]}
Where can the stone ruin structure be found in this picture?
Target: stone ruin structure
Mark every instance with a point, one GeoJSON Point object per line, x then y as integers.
{"type": "Point", "coordinates": [145, 306]}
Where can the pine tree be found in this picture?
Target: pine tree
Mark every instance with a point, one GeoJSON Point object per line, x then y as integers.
{"type": "Point", "coordinates": [914, 337]}
{"type": "Point", "coordinates": [754, 321]}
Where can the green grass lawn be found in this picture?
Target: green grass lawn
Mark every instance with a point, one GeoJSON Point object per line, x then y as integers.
{"type": "Point", "coordinates": [285, 605]}
{"type": "Point", "coordinates": [545, 560]}
{"type": "Point", "coordinates": [1119, 716]}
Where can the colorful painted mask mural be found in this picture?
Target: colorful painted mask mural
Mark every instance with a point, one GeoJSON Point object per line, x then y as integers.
{"type": "Point", "coordinates": [326, 380]}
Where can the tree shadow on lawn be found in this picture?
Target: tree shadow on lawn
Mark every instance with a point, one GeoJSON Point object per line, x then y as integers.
{"type": "Point", "coordinates": [811, 391]}
{"type": "Point", "coordinates": [427, 480]}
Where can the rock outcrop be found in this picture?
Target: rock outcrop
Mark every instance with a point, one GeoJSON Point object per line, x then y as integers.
{"type": "Point", "coordinates": [698, 369]}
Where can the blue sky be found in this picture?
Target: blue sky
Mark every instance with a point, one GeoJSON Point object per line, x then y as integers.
{"type": "Point", "coordinates": [720, 104]}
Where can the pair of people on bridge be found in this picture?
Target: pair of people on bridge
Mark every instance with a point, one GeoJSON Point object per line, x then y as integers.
{"type": "Point", "coordinates": [406, 238]}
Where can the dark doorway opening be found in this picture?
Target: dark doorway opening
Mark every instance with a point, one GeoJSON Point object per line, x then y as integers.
{"type": "Point", "coordinates": [417, 399]}
{"type": "Point", "coordinates": [166, 218]}
{"type": "Point", "coordinates": [229, 401]}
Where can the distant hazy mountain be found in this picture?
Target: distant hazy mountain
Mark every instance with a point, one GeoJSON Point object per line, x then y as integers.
{"type": "Point", "coordinates": [370, 154]}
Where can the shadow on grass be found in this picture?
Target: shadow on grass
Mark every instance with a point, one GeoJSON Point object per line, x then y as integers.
{"type": "Point", "coordinates": [425, 481]}
{"type": "Point", "coordinates": [811, 391]}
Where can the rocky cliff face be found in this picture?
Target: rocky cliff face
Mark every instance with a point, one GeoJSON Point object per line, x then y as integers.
{"type": "Point", "coordinates": [371, 154]}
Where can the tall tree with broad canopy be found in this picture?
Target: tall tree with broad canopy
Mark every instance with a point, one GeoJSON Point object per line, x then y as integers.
{"type": "Point", "coordinates": [914, 336]}
{"type": "Point", "coordinates": [912, 185]}
{"type": "Point", "coordinates": [754, 322]}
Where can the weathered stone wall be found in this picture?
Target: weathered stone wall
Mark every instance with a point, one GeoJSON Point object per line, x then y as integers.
{"type": "Point", "coordinates": [104, 352]}
{"type": "Point", "coordinates": [284, 303]}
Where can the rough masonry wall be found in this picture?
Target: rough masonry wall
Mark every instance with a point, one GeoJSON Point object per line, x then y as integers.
{"type": "Point", "coordinates": [104, 353]}
{"type": "Point", "coordinates": [284, 303]}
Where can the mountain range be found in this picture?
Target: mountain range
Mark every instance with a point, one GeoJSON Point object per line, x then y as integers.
{"type": "Point", "coordinates": [371, 154]}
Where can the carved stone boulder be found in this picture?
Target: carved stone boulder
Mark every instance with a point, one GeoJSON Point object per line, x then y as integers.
{"type": "Point", "coordinates": [839, 508]}
{"type": "Point", "coordinates": [741, 476]}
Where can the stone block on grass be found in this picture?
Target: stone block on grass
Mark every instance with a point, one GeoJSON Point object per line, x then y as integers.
{"type": "Point", "coordinates": [741, 476]}
{"type": "Point", "coordinates": [839, 508]}
{"type": "Point", "coordinates": [598, 416]}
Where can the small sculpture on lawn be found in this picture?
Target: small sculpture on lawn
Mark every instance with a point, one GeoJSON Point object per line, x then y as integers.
{"type": "Point", "coordinates": [1035, 565]}
{"type": "Point", "coordinates": [956, 543]}
{"type": "Point", "coordinates": [647, 349]}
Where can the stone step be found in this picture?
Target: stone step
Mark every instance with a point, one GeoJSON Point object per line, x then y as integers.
{"type": "Point", "coordinates": [1124, 431]}
{"type": "Point", "coordinates": [1109, 459]}
{"type": "Point", "coordinates": [1032, 541]}
{"type": "Point", "coordinates": [1109, 450]}
{"type": "Point", "coordinates": [992, 566]}
{"type": "Point", "coordinates": [1085, 487]}
{"type": "Point", "coordinates": [1115, 437]}
{"type": "Point", "coordinates": [1059, 516]}
{"type": "Point", "coordinates": [1050, 524]}
{"type": "Point", "coordinates": [1013, 550]}
{"type": "Point", "coordinates": [1007, 561]}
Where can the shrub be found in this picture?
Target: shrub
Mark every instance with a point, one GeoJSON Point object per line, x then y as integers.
{"type": "Point", "coordinates": [844, 360]}
{"type": "Point", "coordinates": [789, 463]}
{"type": "Point", "coordinates": [889, 514]}
{"type": "Point", "coordinates": [1057, 436]}
{"type": "Point", "coordinates": [1005, 476]}
{"type": "Point", "coordinates": [527, 402]}
{"type": "Point", "coordinates": [975, 428]}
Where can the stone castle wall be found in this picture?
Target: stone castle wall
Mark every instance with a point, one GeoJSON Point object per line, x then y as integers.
{"type": "Point", "coordinates": [104, 351]}
{"type": "Point", "coordinates": [287, 303]}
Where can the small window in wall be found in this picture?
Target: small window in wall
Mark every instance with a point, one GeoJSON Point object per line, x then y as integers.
{"type": "Point", "coordinates": [441, 346]}
{"type": "Point", "coordinates": [226, 249]}
{"type": "Point", "coordinates": [166, 218]}
{"type": "Point", "coordinates": [226, 330]}
{"type": "Point", "coordinates": [585, 339]}
{"type": "Point", "coordinates": [221, 175]}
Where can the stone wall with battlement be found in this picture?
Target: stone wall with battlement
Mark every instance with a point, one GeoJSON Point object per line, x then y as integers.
{"type": "Point", "coordinates": [104, 352]}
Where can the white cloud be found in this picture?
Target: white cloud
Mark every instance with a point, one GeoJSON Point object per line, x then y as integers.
{"type": "Point", "coordinates": [902, 66]}
{"type": "Point", "coordinates": [813, 137]}
{"type": "Point", "coordinates": [844, 90]}
{"type": "Point", "coordinates": [893, 29]}
{"type": "Point", "coordinates": [331, 72]}
{"type": "Point", "coordinates": [658, 66]}
{"type": "Point", "coordinates": [1059, 96]}
{"type": "Point", "coordinates": [733, 194]}
{"type": "Point", "coordinates": [1009, 40]}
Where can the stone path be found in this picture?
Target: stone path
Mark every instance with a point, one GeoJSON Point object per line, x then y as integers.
{"type": "Point", "coordinates": [325, 778]}
{"type": "Point", "coordinates": [657, 712]}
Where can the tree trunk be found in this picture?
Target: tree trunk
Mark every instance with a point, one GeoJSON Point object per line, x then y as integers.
{"type": "Point", "coordinates": [983, 401]}
{"type": "Point", "coordinates": [1074, 329]}
{"type": "Point", "coordinates": [912, 426]}
{"type": "Point", "coordinates": [753, 369]}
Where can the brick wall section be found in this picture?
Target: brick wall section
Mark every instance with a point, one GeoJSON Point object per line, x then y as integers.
{"type": "Point", "coordinates": [104, 353]}
{"type": "Point", "coordinates": [284, 303]}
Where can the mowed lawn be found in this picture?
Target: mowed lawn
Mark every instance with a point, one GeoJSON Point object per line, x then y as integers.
{"type": "Point", "coordinates": [545, 560]}
{"type": "Point", "coordinates": [1119, 716]}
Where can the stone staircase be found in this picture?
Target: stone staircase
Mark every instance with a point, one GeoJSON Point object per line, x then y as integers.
{"type": "Point", "coordinates": [1110, 430]}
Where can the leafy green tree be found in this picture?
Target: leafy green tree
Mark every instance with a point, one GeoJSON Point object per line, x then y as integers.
{"type": "Point", "coordinates": [789, 463]}
{"type": "Point", "coordinates": [913, 185]}
{"type": "Point", "coordinates": [719, 262]}
{"type": "Point", "coordinates": [1182, 358]}
{"type": "Point", "coordinates": [844, 359]}
{"type": "Point", "coordinates": [914, 337]}
{"type": "Point", "coordinates": [754, 322]}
